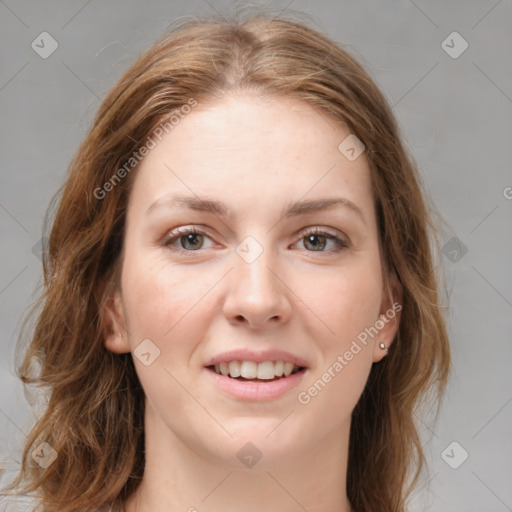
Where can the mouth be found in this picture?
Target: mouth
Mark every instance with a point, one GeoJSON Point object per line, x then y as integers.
{"type": "Point", "coordinates": [249, 375]}
{"type": "Point", "coordinates": [266, 371]}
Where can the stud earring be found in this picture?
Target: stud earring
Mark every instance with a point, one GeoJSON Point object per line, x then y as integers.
{"type": "Point", "coordinates": [383, 347]}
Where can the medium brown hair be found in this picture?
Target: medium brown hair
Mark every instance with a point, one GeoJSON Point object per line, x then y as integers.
{"type": "Point", "coordinates": [94, 413]}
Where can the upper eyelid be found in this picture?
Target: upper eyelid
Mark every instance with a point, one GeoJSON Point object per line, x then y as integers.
{"type": "Point", "coordinates": [315, 229]}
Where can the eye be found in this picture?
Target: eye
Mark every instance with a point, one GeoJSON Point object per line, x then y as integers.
{"type": "Point", "coordinates": [316, 239]}
{"type": "Point", "coordinates": [189, 239]}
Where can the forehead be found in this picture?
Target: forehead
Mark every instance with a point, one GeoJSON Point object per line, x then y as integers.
{"type": "Point", "coordinates": [247, 148]}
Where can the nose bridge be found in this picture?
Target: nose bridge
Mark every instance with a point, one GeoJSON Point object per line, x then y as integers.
{"type": "Point", "coordinates": [255, 292]}
{"type": "Point", "coordinates": [252, 266]}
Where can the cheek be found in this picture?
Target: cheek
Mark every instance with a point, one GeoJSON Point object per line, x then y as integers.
{"type": "Point", "coordinates": [335, 385]}
{"type": "Point", "coordinates": [170, 306]}
{"type": "Point", "coordinates": [331, 394]}
{"type": "Point", "coordinates": [343, 302]}
{"type": "Point", "coordinates": [348, 302]}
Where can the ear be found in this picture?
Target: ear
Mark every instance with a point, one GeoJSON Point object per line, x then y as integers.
{"type": "Point", "coordinates": [115, 332]}
{"type": "Point", "coordinates": [389, 316]}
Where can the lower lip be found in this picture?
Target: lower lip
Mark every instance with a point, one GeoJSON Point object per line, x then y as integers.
{"type": "Point", "coordinates": [256, 390]}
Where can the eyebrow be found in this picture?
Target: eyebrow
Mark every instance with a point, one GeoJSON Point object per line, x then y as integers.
{"type": "Point", "coordinates": [218, 208]}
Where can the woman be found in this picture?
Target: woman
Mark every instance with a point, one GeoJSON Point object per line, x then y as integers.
{"type": "Point", "coordinates": [240, 308]}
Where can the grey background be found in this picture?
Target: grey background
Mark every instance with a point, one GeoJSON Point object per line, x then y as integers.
{"type": "Point", "coordinates": [456, 115]}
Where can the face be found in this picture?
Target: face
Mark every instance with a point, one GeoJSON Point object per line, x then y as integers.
{"type": "Point", "coordinates": [251, 239]}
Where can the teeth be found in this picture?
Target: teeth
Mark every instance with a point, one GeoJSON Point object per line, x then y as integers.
{"type": "Point", "coordinates": [234, 369]}
{"type": "Point", "coordinates": [288, 368]}
{"type": "Point", "coordinates": [224, 368]}
{"type": "Point", "coordinates": [278, 368]}
{"type": "Point", "coordinates": [266, 370]}
{"type": "Point", "coordinates": [251, 370]}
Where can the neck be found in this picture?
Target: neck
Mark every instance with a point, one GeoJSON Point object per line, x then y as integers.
{"type": "Point", "coordinates": [178, 478]}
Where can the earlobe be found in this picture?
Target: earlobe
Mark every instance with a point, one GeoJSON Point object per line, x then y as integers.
{"type": "Point", "coordinates": [115, 333]}
{"type": "Point", "coordinates": [389, 318]}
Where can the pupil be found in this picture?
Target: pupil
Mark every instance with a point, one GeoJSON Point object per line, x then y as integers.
{"type": "Point", "coordinates": [310, 239]}
{"type": "Point", "coordinates": [192, 238]}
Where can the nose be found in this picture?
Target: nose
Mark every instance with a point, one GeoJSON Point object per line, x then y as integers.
{"type": "Point", "coordinates": [256, 295]}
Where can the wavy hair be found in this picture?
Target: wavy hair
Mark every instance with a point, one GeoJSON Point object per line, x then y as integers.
{"type": "Point", "coordinates": [94, 410]}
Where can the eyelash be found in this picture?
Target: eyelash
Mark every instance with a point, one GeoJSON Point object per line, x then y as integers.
{"type": "Point", "coordinates": [177, 234]}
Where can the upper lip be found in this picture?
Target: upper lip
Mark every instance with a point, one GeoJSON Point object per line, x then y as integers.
{"type": "Point", "coordinates": [257, 357]}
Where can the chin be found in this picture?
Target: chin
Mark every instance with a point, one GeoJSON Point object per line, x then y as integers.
{"type": "Point", "coordinates": [258, 445]}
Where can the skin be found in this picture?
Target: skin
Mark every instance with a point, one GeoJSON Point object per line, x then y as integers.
{"type": "Point", "coordinates": [256, 155]}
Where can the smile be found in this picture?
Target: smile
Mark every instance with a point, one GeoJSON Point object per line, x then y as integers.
{"type": "Point", "coordinates": [251, 370]}
{"type": "Point", "coordinates": [251, 375]}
